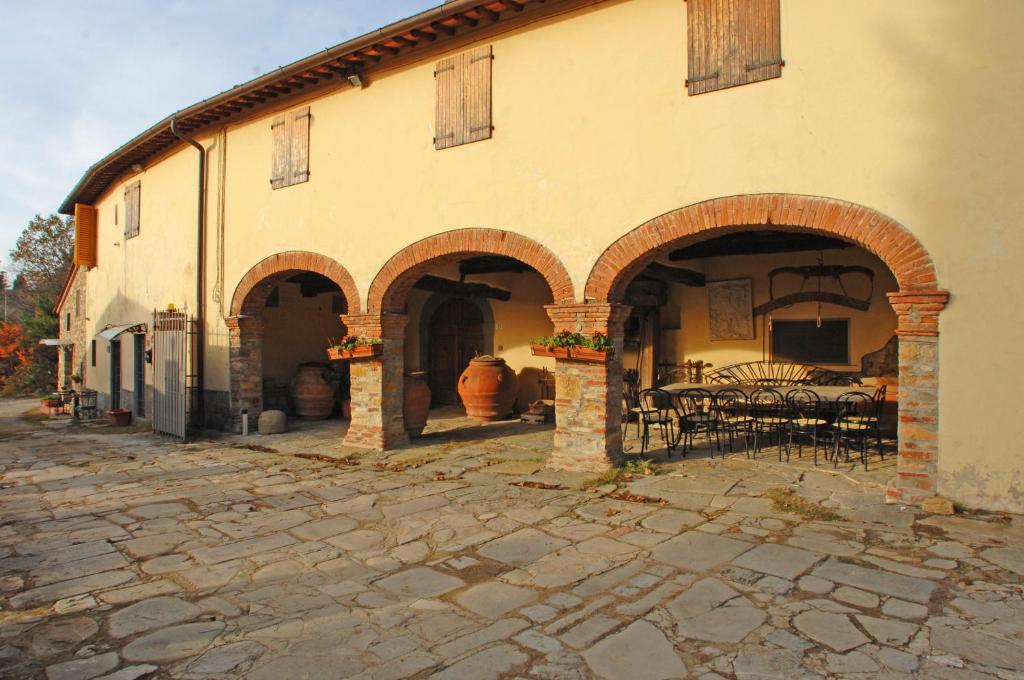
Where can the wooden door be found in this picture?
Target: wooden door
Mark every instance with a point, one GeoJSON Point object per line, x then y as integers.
{"type": "Point", "coordinates": [456, 336]}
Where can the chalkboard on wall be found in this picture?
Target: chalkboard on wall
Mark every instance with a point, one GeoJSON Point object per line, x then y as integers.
{"type": "Point", "coordinates": [800, 340]}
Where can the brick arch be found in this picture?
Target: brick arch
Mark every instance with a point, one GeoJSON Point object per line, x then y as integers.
{"type": "Point", "coordinates": [868, 228]}
{"type": "Point", "coordinates": [391, 285]}
{"type": "Point", "coordinates": [252, 291]}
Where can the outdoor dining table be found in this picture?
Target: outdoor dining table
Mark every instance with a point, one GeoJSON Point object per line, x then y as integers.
{"type": "Point", "coordinates": [827, 393]}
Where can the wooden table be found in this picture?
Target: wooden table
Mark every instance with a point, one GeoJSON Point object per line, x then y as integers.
{"type": "Point", "coordinates": [828, 393]}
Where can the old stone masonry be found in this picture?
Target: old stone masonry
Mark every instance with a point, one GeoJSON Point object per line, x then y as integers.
{"type": "Point", "coordinates": [129, 556]}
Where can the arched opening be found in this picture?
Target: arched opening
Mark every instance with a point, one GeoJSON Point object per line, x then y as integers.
{"type": "Point", "coordinates": [441, 302]}
{"type": "Point", "coordinates": [815, 234]}
{"type": "Point", "coordinates": [286, 310]}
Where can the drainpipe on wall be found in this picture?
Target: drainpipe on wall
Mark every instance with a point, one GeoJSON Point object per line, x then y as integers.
{"type": "Point", "coordinates": [200, 273]}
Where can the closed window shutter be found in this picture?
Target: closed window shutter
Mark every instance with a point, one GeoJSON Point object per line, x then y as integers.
{"type": "Point", "coordinates": [132, 201]}
{"type": "Point", "coordinates": [85, 235]}
{"type": "Point", "coordinates": [447, 75]}
{"type": "Point", "coordinates": [299, 153]}
{"type": "Point", "coordinates": [279, 173]}
{"type": "Point", "coordinates": [476, 94]}
{"type": "Point", "coordinates": [731, 42]}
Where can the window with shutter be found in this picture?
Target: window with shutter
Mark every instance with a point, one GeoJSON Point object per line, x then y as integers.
{"type": "Point", "coordinates": [463, 113]}
{"type": "Point", "coordinates": [85, 235]}
{"type": "Point", "coordinates": [132, 204]}
{"type": "Point", "coordinates": [290, 133]}
{"type": "Point", "coordinates": [732, 42]}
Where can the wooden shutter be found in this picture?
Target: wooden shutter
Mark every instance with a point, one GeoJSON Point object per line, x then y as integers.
{"type": "Point", "coordinates": [463, 98]}
{"type": "Point", "coordinates": [85, 235]}
{"type": "Point", "coordinates": [448, 76]}
{"type": "Point", "coordinates": [279, 173]}
{"type": "Point", "coordinates": [731, 42]}
{"type": "Point", "coordinates": [476, 95]}
{"type": "Point", "coordinates": [132, 201]}
{"type": "Point", "coordinates": [299, 165]}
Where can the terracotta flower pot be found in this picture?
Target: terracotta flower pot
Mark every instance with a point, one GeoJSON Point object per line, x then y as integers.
{"type": "Point", "coordinates": [595, 355]}
{"type": "Point", "coordinates": [313, 396]}
{"type": "Point", "coordinates": [416, 402]}
{"type": "Point", "coordinates": [120, 416]}
{"type": "Point", "coordinates": [357, 352]}
{"type": "Point", "coordinates": [488, 388]}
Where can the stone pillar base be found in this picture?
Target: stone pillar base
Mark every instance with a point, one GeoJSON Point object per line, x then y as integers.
{"type": "Point", "coordinates": [376, 384]}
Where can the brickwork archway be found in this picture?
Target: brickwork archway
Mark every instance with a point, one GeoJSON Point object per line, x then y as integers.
{"type": "Point", "coordinates": [252, 291]}
{"type": "Point", "coordinates": [917, 304]}
{"type": "Point", "coordinates": [870, 229]}
{"type": "Point", "coordinates": [390, 287]}
{"type": "Point", "coordinates": [246, 327]}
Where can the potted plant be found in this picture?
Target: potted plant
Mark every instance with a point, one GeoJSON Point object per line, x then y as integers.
{"type": "Point", "coordinates": [52, 401]}
{"type": "Point", "coordinates": [571, 345]}
{"type": "Point", "coordinates": [355, 347]}
{"type": "Point", "coordinates": [76, 378]}
{"type": "Point", "coordinates": [120, 416]}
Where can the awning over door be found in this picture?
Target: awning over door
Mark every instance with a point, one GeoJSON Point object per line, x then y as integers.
{"type": "Point", "coordinates": [112, 332]}
{"type": "Point", "coordinates": [56, 342]}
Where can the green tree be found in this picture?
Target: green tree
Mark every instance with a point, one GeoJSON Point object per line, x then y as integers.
{"type": "Point", "coordinates": [36, 373]}
{"type": "Point", "coordinates": [42, 254]}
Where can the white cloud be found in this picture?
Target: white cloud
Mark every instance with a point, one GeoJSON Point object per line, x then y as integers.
{"type": "Point", "coordinates": [80, 79]}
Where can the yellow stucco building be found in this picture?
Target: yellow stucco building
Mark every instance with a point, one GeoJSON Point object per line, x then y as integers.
{"type": "Point", "coordinates": [594, 164]}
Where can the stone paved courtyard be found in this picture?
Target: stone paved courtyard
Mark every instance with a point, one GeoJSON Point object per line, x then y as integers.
{"type": "Point", "coordinates": [128, 556]}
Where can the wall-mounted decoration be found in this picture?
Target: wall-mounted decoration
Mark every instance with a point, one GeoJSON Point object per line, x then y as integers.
{"type": "Point", "coordinates": [730, 310]}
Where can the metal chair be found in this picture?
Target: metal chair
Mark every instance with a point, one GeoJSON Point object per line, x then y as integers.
{"type": "Point", "coordinates": [771, 415]}
{"type": "Point", "coordinates": [656, 411]}
{"type": "Point", "coordinates": [732, 415]}
{"type": "Point", "coordinates": [630, 401]}
{"type": "Point", "coordinates": [850, 428]}
{"type": "Point", "coordinates": [808, 420]}
{"type": "Point", "coordinates": [874, 419]}
{"type": "Point", "coordinates": [695, 412]}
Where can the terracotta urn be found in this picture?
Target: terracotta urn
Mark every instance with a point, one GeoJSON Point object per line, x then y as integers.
{"type": "Point", "coordinates": [416, 402]}
{"type": "Point", "coordinates": [312, 395]}
{"type": "Point", "coordinates": [488, 388]}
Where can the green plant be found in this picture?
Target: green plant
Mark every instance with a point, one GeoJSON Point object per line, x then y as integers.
{"type": "Point", "coordinates": [350, 342]}
{"type": "Point", "coordinates": [784, 500]}
{"type": "Point", "coordinates": [570, 339]}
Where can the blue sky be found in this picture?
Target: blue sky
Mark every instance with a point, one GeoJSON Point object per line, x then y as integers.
{"type": "Point", "coordinates": [81, 78]}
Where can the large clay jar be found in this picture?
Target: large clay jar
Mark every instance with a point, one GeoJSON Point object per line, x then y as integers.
{"type": "Point", "coordinates": [313, 396]}
{"type": "Point", "coordinates": [488, 388]}
{"type": "Point", "coordinates": [416, 403]}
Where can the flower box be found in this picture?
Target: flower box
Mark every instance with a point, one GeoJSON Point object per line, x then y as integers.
{"type": "Point", "coordinates": [573, 353]}
{"type": "Point", "coordinates": [120, 416]}
{"type": "Point", "coordinates": [357, 352]}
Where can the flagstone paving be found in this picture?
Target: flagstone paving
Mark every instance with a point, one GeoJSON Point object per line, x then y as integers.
{"type": "Point", "coordinates": [131, 556]}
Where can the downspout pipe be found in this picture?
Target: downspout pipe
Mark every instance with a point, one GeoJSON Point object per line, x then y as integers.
{"type": "Point", "coordinates": [200, 345]}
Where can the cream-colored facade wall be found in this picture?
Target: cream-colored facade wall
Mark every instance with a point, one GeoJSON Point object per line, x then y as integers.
{"type": "Point", "coordinates": [910, 108]}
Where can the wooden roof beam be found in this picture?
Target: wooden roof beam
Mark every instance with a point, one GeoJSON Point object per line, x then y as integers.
{"type": "Point", "coordinates": [423, 35]}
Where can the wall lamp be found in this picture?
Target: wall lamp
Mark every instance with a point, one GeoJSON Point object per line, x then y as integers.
{"type": "Point", "coordinates": [355, 80]}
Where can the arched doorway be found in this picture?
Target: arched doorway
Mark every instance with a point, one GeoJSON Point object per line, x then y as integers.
{"type": "Point", "coordinates": [455, 335]}
{"type": "Point", "coordinates": [514, 276]}
{"type": "Point", "coordinates": [282, 313]}
{"type": "Point", "coordinates": [916, 302]}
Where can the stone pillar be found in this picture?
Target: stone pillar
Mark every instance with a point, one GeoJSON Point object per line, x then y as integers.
{"type": "Point", "coordinates": [918, 433]}
{"type": "Point", "coordinates": [245, 350]}
{"type": "Point", "coordinates": [377, 418]}
{"type": "Point", "coordinates": [588, 396]}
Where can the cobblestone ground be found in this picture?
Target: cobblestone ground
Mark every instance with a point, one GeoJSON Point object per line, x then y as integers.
{"type": "Point", "coordinates": [129, 556]}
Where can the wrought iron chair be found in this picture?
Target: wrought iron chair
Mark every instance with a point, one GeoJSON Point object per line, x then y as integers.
{"type": "Point", "coordinates": [630, 401]}
{"type": "Point", "coordinates": [695, 412]}
{"type": "Point", "coordinates": [809, 419]}
{"type": "Point", "coordinates": [771, 416]}
{"type": "Point", "coordinates": [656, 410]}
{"type": "Point", "coordinates": [732, 416]}
{"type": "Point", "coordinates": [874, 419]}
{"type": "Point", "coordinates": [851, 429]}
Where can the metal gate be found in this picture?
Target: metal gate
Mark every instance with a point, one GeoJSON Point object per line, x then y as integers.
{"type": "Point", "coordinates": [172, 331]}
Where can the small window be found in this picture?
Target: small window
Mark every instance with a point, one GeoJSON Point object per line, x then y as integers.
{"type": "Point", "coordinates": [92, 353]}
{"type": "Point", "coordinates": [732, 43]}
{"type": "Point", "coordinates": [290, 134]}
{"type": "Point", "coordinates": [463, 98]}
{"type": "Point", "coordinates": [67, 322]}
{"type": "Point", "coordinates": [803, 341]}
{"type": "Point", "coordinates": [78, 302]}
{"type": "Point", "coordinates": [132, 204]}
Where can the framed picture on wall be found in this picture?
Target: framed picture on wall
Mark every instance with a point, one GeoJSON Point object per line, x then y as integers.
{"type": "Point", "coordinates": [730, 310]}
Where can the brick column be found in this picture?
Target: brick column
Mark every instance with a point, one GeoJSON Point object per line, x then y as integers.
{"type": "Point", "coordinates": [588, 396]}
{"type": "Point", "coordinates": [918, 434]}
{"type": "Point", "coordinates": [377, 418]}
{"type": "Point", "coordinates": [245, 352]}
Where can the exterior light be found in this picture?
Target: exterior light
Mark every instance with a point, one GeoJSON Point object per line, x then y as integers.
{"type": "Point", "coordinates": [355, 80]}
